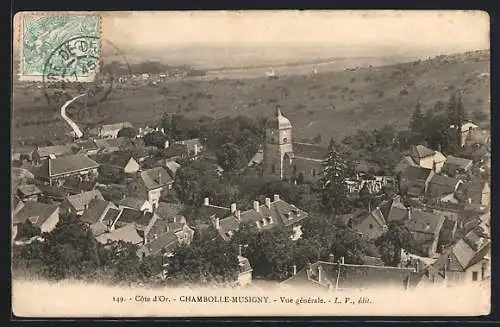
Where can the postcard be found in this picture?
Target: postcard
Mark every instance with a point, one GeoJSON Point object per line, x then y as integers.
{"type": "Point", "coordinates": [251, 164]}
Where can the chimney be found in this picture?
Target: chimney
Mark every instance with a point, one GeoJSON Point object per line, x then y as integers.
{"type": "Point", "coordinates": [206, 201]}
{"type": "Point", "coordinates": [238, 214]}
{"type": "Point", "coordinates": [268, 203]}
{"type": "Point", "coordinates": [239, 250]}
{"type": "Point", "coordinates": [217, 223]}
{"type": "Point", "coordinates": [175, 219]}
{"type": "Point", "coordinates": [162, 130]}
{"type": "Point", "coordinates": [434, 167]}
{"type": "Point", "coordinates": [469, 200]}
{"type": "Point", "coordinates": [408, 211]}
{"type": "Point", "coordinates": [233, 207]}
{"type": "Point", "coordinates": [140, 130]}
{"type": "Point", "coordinates": [157, 129]}
{"type": "Point", "coordinates": [155, 236]}
{"type": "Point", "coordinates": [195, 149]}
{"type": "Point", "coordinates": [320, 272]}
{"type": "Point", "coordinates": [331, 257]}
{"type": "Point", "coordinates": [159, 177]}
{"type": "Point", "coordinates": [167, 144]}
{"type": "Point", "coordinates": [276, 197]}
{"type": "Point", "coordinates": [294, 270]}
{"type": "Point", "coordinates": [342, 261]}
{"type": "Point", "coordinates": [256, 206]}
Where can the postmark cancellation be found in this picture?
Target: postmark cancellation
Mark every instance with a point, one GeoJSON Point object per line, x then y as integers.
{"type": "Point", "coordinates": [59, 47]}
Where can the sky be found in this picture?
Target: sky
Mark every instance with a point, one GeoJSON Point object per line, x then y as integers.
{"type": "Point", "coordinates": [151, 34]}
{"type": "Point", "coordinates": [426, 28]}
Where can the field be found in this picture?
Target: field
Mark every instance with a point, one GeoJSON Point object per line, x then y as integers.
{"type": "Point", "coordinates": [331, 103]}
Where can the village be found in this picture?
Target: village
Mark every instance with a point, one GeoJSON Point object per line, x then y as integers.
{"type": "Point", "coordinates": [135, 188]}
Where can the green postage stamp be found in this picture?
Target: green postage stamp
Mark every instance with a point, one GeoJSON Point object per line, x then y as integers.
{"type": "Point", "coordinates": [59, 47]}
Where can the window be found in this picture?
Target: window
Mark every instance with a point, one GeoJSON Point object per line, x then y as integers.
{"type": "Point", "coordinates": [285, 140]}
{"type": "Point", "coordinates": [474, 276]}
{"type": "Point", "coordinates": [314, 172]}
{"type": "Point", "coordinates": [371, 226]}
{"type": "Point", "coordinates": [273, 169]}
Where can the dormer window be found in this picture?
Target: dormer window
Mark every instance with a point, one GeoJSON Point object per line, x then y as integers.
{"type": "Point", "coordinates": [285, 140]}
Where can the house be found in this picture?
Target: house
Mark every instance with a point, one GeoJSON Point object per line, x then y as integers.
{"type": "Point", "coordinates": [478, 136]}
{"type": "Point", "coordinates": [415, 180]}
{"type": "Point", "coordinates": [194, 147]}
{"type": "Point", "coordinates": [476, 152]}
{"type": "Point", "coordinates": [75, 185]}
{"type": "Point", "coordinates": [456, 165]}
{"type": "Point", "coordinates": [171, 166]}
{"type": "Point", "coordinates": [42, 215]}
{"type": "Point", "coordinates": [245, 269]}
{"type": "Point", "coordinates": [113, 145]}
{"type": "Point", "coordinates": [467, 129]}
{"type": "Point", "coordinates": [166, 243]}
{"type": "Point", "coordinates": [372, 226]}
{"type": "Point", "coordinates": [86, 147]}
{"type": "Point", "coordinates": [28, 192]}
{"type": "Point", "coordinates": [258, 158]}
{"type": "Point", "coordinates": [176, 151]}
{"type": "Point", "coordinates": [467, 261]}
{"type": "Point", "coordinates": [111, 130]}
{"type": "Point", "coordinates": [338, 276]}
{"type": "Point", "coordinates": [78, 203]}
{"type": "Point", "coordinates": [116, 163]}
{"type": "Point", "coordinates": [448, 231]}
{"type": "Point", "coordinates": [441, 186]}
{"type": "Point", "coordinates": [53, 171]}
{"type": "Point", "coordinates": [135, 203]}
{"type": "Point", "coordinates": [41, 153]}
{"type": "Point", "coordinates": [96, 211]}
{"type": "Point", "coordinates": [427, 158]}
{"type": "Point", "coordinates": [406, 161]}
{"type": "Point", "coordinates": [268, 215]}
{"type": "Point", "coordinates": [475, 192]}
{"type": "Point", "coordinates": [425, 227]}
{"type": "Point", "coordinates": [127, 233]}
{"type": "Point", "coordinates": [151, 183]}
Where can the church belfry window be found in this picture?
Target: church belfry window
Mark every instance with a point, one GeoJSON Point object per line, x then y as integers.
{"type": "Point", "coordinates": [273, 169]}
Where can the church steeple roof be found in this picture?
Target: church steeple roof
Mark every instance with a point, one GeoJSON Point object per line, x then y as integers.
{"type": "Point", "coordinates": [278, 121]}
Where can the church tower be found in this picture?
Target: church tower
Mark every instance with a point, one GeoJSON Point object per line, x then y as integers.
{"type": "Point", "coordinates": [277, 144]}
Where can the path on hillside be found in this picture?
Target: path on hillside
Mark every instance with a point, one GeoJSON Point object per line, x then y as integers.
{"type": "Point", "coordinates": [74, 126]}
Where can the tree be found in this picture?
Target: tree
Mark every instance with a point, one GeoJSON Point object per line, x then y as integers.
{"type": "Point", "coordinates": [390, 244]}
{"type": "Point", "coordinates": [270, 251]}
{"type": "Point", "coordinates": [230, 157]}
{"type": "Point", "coordinates": [128, 132]}
{"type": "Point", "coordinates": [417, 124]}
{"type": "Point", "coordinates": [155, 138]}
{"type": "Point", "coordinates": [27, 230]}
{"type": "Point", "coordinates": [207, 260]}
{"type": "Point", "coordinates": [333, 182]}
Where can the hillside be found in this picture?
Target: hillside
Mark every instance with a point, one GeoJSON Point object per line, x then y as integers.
{"type": "Point", "coordinates": [334, 104]}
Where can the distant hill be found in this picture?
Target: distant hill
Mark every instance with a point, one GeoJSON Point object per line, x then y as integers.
{"type": "Point", "coordinates": [333, 104]}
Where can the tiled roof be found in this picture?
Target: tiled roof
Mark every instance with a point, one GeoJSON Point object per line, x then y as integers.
{"type": "Point", "coordinates": [81, 200]}
{"type": "Point", "coordinates": [96, 210]}
{"type": "Point", "coordinates": [172, 166]}
{"type": "Point", "coordinates": [457, 162]}
{"type": "Point", "coordinates": [307, 150]}
{"type": "Point", "coordinates": [127, 233]}
{"type": "Point", "coordinates": [175, 150]}
{"type": "Point", "coordinates": [191, 143]}
{"type": "Point", "coordinates": [98, 228]}
{"type": "Point", "coordinates": [155, 178]}
{"type": "Point", "coordinates": [65, 165]}
{"type": "Point", "coordinates": [441, 185]}
{"type": "Point", "coordinates": [133, 203]}
{"type": "Point", "coordinates": [279, 213]}
{"type": "Point", "coordinates": [421, 151]}
{"type": "Point", "coordinates": [57, 150]}
{"type": "Point", "coordinates": [117, 143]}
{"type": "Point", "coordinates": [130, 215]}
{"type": "Point", "coordinates": [53, 191]}
{"type": "Point", "coordinates": [424, 222]}
{"type": "Point", "coordinates": [117, 159]}
{"type": "Point", "coordinates": [170, 210]}
{"type": "Point", "coordinates": [36, 212]}
{"type": "Point", "coordinates": [111, 216]}
{"type": "Point", "coordinates": [29, 189]}
{"type": "Point", "coordinates": [114, 127]}
{"type": "Point", "coordinates": [414, 173]}
{"type": "Point", "coordinates": [348, 276]}
{"type": "Point", "coordinates": [86, 145]}
{"type": "Point", "coordinates": [75, 185]}
{"type": "Point", "coordinates": [405, 162]}
{"type": "Point", "coordinates": [166, 241]}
